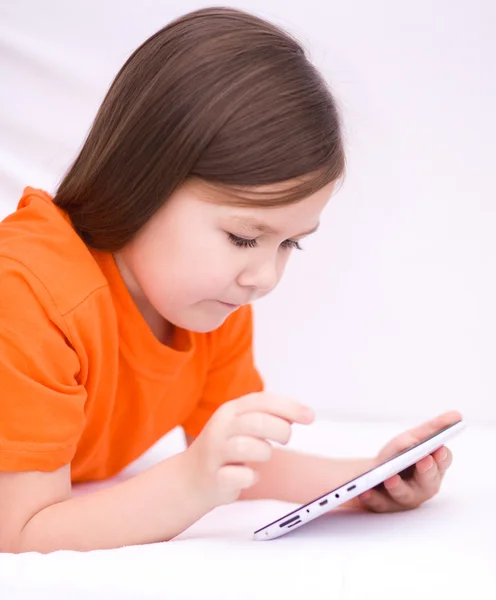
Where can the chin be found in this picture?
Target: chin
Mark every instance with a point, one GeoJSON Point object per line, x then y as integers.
{"type": "Point", "coordinates": [200, 323]}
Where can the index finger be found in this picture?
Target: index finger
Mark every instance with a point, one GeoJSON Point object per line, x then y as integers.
{"type": "Point", "coordinates": [279, 406]}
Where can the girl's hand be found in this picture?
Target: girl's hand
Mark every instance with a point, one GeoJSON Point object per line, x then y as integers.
{"type": "Point", "coordinates": [236, 435]}
{"type": "Point", "coordinates": [418, 483]}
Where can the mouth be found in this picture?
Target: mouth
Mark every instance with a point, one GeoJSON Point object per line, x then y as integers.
{"type": "Point", "coordinates": [229, 305]}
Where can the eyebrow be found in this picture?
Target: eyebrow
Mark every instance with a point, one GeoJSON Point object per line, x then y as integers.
{"type": "Point", "coordinates": [257, 226]}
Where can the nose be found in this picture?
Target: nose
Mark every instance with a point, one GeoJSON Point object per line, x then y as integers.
{"type": "Point", "coordinates": [262, 277]}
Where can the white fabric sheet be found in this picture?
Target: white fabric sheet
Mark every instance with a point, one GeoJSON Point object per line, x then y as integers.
{"type": "Point", "coordinates": [446, 549]}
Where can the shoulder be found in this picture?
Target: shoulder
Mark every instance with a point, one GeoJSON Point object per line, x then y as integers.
{"type": "Point", "coordinates": [39, 246]}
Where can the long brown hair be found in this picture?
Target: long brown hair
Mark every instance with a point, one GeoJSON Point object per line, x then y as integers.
{"type": "Point", "coordinates": [219, 95]}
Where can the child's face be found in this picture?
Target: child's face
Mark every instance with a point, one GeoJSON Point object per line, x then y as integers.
{"type": "Point", "coordinates": [185, 262]}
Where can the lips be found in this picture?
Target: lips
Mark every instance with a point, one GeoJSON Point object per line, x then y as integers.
{"type": "Point", "coordinates": [229, 304]}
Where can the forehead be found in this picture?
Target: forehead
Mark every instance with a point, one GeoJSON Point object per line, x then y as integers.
{"type": "Point", "coordinates": [265, 218]}
{"type": "Point", "coordinates": [303, 214]}
{"type": "Point", "coordinates": [253, 226]}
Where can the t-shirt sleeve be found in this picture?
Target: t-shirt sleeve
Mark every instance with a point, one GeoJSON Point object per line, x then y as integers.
{"type": "Point", "coordinates": [232, 371]}
{"type": "Point", "coordinates": [41, 401]}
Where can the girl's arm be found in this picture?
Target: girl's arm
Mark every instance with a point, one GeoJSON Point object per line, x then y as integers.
{"type": "Point", "coordinates": [38, 514]}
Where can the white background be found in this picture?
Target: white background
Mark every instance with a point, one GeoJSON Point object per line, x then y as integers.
{"type": "Point", "coordinates": [390, 311]}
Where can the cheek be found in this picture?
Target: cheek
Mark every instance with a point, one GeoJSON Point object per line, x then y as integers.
{"type": "Point", "coordinates": [189, 272]}
{"type": "Point", "coordinates": [213, 273]}
{"type": "Point", "coordinates": [159, 266]}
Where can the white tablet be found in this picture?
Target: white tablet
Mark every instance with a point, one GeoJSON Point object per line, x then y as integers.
{"type": "Point", "coordinates": [359, 485]}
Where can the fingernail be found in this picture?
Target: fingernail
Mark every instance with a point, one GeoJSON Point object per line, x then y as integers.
{"type": "Point", "coordinates": [443, 455]}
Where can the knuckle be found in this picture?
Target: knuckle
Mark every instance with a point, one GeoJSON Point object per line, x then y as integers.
{"type": "Point", "coordinates": [228, 408]}
{"type": "Point", "coordinates": [254, 397]}
{"type": "Point", "coordinates": [221, 416]}
{"type": "Point", "coordinates": [258, 424]}
{"type": "Point", "coordinates": [240, 446]}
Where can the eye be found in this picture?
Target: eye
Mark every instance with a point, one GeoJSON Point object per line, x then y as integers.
{"type": "Point", "coordinates": [242, 242]}
{"type": "Point", "coordinates": [291, 244]}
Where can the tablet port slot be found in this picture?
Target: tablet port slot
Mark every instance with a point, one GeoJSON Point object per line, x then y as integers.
{"type": "Point", "coordinates": [324, 502]}
{"type": "Point", "coordinates": [294, 524]}
{"type": "Point", "coordinates": [352, 487]}
{"type": "Point", "coordinates": [289, 521]}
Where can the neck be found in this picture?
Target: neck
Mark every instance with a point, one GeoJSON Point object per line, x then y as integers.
{"type": "Point", "coordinates": [160, 327]}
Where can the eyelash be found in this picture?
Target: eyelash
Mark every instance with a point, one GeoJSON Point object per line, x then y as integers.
{"type": "Point", "coordinates": [247, 243]}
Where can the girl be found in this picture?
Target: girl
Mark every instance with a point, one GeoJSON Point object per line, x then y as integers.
{"type": "Point", "coordinates": [125, 304]}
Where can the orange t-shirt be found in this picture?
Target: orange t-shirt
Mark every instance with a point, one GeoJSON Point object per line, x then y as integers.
{"type": "Point", "coordinates": [83, 380]}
